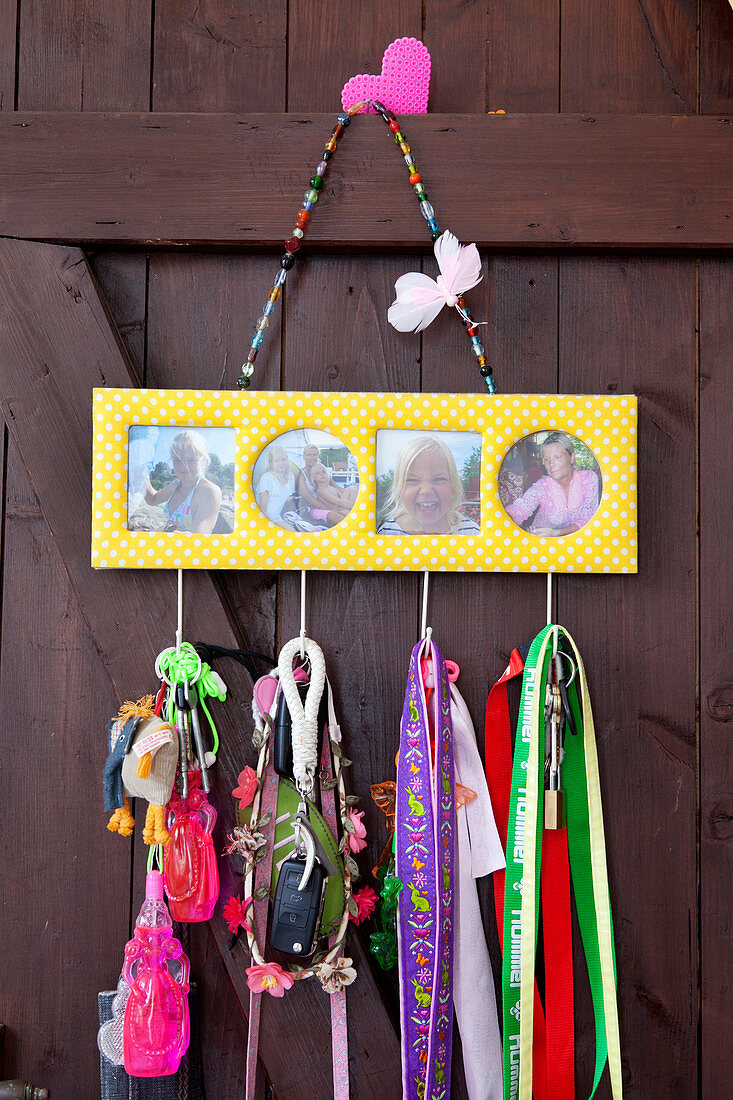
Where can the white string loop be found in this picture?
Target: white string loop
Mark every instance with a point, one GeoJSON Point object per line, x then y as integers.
{"type": "Point", "coordinates": [304, 720]}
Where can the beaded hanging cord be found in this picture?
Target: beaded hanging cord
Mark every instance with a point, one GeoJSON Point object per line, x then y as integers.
{"type": "Point", "coordinates": [293, 243]}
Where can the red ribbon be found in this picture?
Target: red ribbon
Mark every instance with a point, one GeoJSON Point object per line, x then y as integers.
{"type": "Point", "coordinates": [553, 1064]}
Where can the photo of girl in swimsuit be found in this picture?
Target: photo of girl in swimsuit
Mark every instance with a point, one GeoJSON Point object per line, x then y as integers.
{"type": "Point", "coordinates": [181, 480]}
{"type": "Point", "coordinates": [306, 480]}
{"type": "Point", "coordinates": [550, 484]}
{"type": "Point", "coordinates": [428, 483]}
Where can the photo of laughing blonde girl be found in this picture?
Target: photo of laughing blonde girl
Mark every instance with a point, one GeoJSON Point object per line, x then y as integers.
{"type": "Point", "coordinates": [426, 493]}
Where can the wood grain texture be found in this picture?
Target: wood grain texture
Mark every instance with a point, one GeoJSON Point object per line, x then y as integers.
{"type": "Point", "coordinates": [649, 181]}
{"type": "Point", "coordinates": [716, 671]}
{"type": "Point", "coordinates": [75, 54]}
{"type": "Point", "coordinates": [219, 55]}
{"type": "Point", "coordinates": [631, 56]}
{"type": "Point", "coordinates": [619, 333]}
{"type": "Point", "coordinates": [716, 45]}
{"type": "Point", "coordinates": [8, 20]}
{"type": "Point", "coordinates": [64, 910]}
{"type": "Point", "coordinates": [524, 56]}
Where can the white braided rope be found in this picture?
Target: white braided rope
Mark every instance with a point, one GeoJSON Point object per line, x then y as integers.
{"type": "Point", "coordinates": [304, 720]}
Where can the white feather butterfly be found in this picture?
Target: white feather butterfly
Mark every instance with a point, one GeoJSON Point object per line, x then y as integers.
{"type": "Point", "coordinates": [420, 299]}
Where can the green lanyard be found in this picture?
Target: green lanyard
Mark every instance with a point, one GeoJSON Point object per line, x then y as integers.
{"type": "Point", "coordinates": [587, 855]}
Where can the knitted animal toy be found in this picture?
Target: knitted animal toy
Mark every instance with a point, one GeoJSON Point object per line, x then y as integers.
{"type": "Point", "coordinates": [141, 764]}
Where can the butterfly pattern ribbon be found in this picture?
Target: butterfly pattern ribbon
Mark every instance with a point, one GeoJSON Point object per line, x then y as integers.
{"type": "Point", "coordinates": [425, 864]}
{"type": "Point", "coordinates": [420, 298]}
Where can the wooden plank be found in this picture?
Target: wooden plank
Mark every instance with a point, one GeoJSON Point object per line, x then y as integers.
{"type": "Point", "coordinates": [620, 333]}
{"type": "Point", "coordinates": [75, 54]}
{"type": "Point", "coordinates": [716, 690]}
{"type": "Point", "coordinates": [648, 181]}
{"type": "Point", "coordinates": [47, 408]}
{"type": "Point", "coordinates": [716, 47]}
{"type": "Point", "coordinates": [8, 20]}
{"type": "Point", "coordinates": [523, 68]}
{"type": "Point", "coordinates": [629, 57]}
{"type": "Point", "coordinates": [55, 704]}
{"type": "Point", "coordinates": [219, 56]}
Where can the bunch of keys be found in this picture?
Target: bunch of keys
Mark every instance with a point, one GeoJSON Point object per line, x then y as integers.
{"type": "Point", "coordinates": [300, 891]}
{"type": "Point", "coordinates": [188, 723]}
{"type": "Point", "coordinates": [557, 714]}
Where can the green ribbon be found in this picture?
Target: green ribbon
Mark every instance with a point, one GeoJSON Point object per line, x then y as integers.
{"type": "Point", "coordinates": [586, 850]}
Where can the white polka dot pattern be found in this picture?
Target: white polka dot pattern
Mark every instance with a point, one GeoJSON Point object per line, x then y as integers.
{"type": "Point", "coordinates": [607, 424]}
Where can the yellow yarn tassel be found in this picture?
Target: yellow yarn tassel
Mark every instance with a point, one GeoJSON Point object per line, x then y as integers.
{"type": "Point", "coordinates": [155, 831]}
{"type": "Point", "coordinates": [143, 708]}
{"type": "Point", "coordinates": [144, 765]}
{"type": "Point", "coordinates": [122, 820]}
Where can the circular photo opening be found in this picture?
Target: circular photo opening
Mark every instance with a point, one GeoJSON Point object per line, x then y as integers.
{"type": "Point", "coordinates": [306, 480]}
{"type": "Point", "coordinates": [550, 484]}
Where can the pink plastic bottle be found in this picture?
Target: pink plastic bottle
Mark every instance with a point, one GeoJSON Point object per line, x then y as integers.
{"type": "Point", "coordinates": [156, 1026]}
{"type": "Point", "coordinates": [189, 861]}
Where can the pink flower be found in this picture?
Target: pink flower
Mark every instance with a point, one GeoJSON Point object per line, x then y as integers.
{"type": "Point", "coordinates": [268, 977]}
{"type": "Point", "coordinates": [247, 788]}
{"type": "Point", "coordinates": [357, 839]}
{"type": "Point", "coordinates": [235, 914]}
{"type": "Point", "coordinates": [365, 900]}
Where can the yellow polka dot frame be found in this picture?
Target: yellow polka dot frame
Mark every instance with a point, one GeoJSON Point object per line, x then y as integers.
{"type": "Point", "coordinates": [607, 543]}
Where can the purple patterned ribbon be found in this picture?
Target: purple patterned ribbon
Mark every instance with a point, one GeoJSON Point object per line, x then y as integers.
{"type": "Point", "coordinates": [425, 864]}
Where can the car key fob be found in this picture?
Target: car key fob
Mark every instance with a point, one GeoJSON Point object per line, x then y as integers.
{"type": "Point", "coordinates": [296, 914]}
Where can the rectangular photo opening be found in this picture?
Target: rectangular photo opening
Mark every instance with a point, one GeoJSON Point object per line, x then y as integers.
{"type": "Point", "coordinates": [181, 479]}
{"type": "Point", "coordinates": [428, 483]}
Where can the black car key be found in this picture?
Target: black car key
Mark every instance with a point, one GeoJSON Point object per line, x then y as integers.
{"type": "Point", "coordinates": [296, 914]}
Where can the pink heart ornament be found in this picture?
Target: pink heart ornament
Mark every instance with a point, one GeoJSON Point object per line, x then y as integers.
{"type": "Point", "coordinates": [402, 86]}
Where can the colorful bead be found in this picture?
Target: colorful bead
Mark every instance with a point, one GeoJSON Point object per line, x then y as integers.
{"type": "Point", "coordinates": [293, 243]}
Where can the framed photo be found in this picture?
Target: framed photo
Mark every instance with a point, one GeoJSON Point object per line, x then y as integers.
{"type": "Point", "coordinates": [364, 481]}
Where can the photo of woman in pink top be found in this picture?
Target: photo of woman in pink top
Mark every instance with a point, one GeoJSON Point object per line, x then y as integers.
{"type": "Point", "coordinates": [565, 499]}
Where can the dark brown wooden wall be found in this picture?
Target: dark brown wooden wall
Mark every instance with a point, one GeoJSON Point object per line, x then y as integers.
{"type": "Point", "coordinates": [657, 646]}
